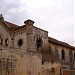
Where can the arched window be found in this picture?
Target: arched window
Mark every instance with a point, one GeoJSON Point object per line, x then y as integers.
{"type": "Point", "coordinates": [20, 42]}
{"type": "Point", "coordinates": [63, 55]}
{"type": "Point", "coordinates": [1, 41]}
{"type": "Point", "coordinates": [39, 42]}
{"type": "Point", "coordinates": [6, 42]}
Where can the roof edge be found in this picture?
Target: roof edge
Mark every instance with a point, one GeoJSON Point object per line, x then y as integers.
{"type": "Point", "coordinates": [53, 40]}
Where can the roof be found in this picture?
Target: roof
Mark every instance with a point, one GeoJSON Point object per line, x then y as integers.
{"type": "Point", "coordinates": [40, 29]}
{"type": "Point", "coordinates": [10, 25]}
{"type": "Point", "coordinates": [6, 23]}
{"type": "Point", "coordinates": [19, 27]}
{"type": "Point", "coordinates": [55, 41]}
{"type": "Point", "coordinates": [50, 39]}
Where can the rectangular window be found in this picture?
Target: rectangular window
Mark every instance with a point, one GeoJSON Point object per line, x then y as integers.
{"type": "Point", "coordinates": [50, 50]}
{"type": "Point", "coordinates": [0, 41]}
{"type": "Point", "coordinates": [74, 56]}
{"type": "Point", "coordinates": [63, 55]}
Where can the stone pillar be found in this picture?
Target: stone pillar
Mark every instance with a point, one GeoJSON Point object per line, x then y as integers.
{"type": "Point", "coordinates": [29, 31]}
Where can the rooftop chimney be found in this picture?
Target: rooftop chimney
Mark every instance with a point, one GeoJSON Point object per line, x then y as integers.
{"type": "Point", "coordinates": [29, 22]}
{"type": "Point", "coordinates": [1, 17]}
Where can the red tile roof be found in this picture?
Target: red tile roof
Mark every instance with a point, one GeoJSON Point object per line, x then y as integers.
{"type": "Point", "coordinates": [10, 25]}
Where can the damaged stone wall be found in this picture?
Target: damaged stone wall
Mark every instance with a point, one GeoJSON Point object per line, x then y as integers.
{"type": "Point", "coordinates": [7, 63]}
{"type": "Point", "coordinates": [25, 58]}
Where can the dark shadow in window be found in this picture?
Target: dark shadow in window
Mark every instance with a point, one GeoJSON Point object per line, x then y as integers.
{"type": "Point", "coordinates": [63, 55]}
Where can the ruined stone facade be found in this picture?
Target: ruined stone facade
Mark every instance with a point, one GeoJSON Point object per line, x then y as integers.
{"type": "Point", "coordinates": [27, 50]}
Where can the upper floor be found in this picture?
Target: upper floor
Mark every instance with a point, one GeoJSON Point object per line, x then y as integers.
{"type": "Point", "coordinates": [30, 38]}
{"type": "Point", "coordinates": [26, 37]}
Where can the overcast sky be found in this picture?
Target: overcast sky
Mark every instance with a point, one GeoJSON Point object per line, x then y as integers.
{"type": "Point", "coordinates": [55, 16]}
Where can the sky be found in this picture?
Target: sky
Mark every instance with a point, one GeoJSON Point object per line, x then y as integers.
{"type": "Point", "coordinates": [54, 16]}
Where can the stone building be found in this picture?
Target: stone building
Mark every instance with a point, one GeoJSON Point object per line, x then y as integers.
{"type": "Point", "coordinates": [28, 50]}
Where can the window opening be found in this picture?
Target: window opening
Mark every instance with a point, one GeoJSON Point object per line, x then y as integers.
{"type": "Point", "coordinates": [63, 55]}
{"type": "Point", "coordinates": [6, 42]}
{"type": "Point", "coordinates": [1, 40]}
{"type": "Point", "coordinates": [20, 42]}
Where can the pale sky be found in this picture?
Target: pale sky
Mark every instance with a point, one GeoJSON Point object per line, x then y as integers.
{"type": "Point", "coordinates": [54, 16]}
